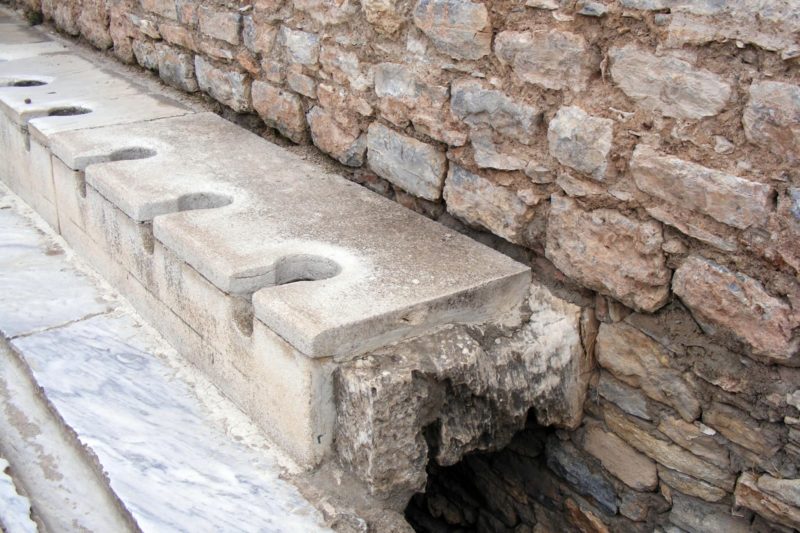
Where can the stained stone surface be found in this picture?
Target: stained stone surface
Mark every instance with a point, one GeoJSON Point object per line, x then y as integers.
{"type": "Point", "coordinates": [15, 510]}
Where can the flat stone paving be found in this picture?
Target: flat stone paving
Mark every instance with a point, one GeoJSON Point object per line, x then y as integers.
{"type": "Point", "coordinates": [176, 462]}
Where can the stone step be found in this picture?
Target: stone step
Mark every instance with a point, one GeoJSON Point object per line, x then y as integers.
{"type": "Point", "coordinates": [265, 271]}
{"type": "Point", "coordinates": [151, 445]}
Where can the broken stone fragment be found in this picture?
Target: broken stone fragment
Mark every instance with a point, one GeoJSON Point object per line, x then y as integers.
{"type": "Point", "coordinates": [328, 11]}
{"type": "Point", "coordinates": [667, 84]}
{"type": "Point", "coordinates": [459, 28]}
{"type": "Point", "coordinates": [481, 202]}
{"type": "Point", "coordinates": [228, 86]}
{"type": "Point", "coordinates": [553, 60]}
{"type": "Point", "coordinates": [732, 200]}
{"type": "Point", "coordinates": [413, 165]}
{"type": "Point", "coordinates": [281, 110]}
{"type": "Point", "coordinates": [731, 305]}
{"type": "Point", "coordinates": [689, 485]}
{"type": "Point", "coordinates": [749, 494]}
{"type": "Point", "coordinates": [609, 252]}
{"type": "Point", "coordinates": [763, 438]}
{"type": "Point", "coordinates": [697, 438]}
{"type": "Point", "coordinates": [622, 460]}
{"type": "Point", "coordinates": [347, 147]}
{"type": "Point", "coordinates": [224, 25]}
{"type": "Point", "coordinates": [772, 118]}
{"type": "Point", "coordinates": [629, 399]}
{"type": "Point", "coordinates": [635, 359]}
{"type": "Point", "coordinates": [581, 141]}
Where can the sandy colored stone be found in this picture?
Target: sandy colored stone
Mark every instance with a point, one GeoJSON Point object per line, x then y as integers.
{"type": "Point", "coordinates": [666, 453]}
{"type": "Point", "coordinates": [689, 485]}
{"type": "Point", "coordinates": [763, 438]}
{"type": "Point", "coordinates": [609, 252]}
{"type": "Point", "coordinates": [771, 118]}
{"type": "Point", "coordinates": [629, 399]}
{"type": "Point", "coordinates": [227, 85]}
{"type": "Point", "coordinates": [697, 438]}
{"type": "Point", "coordinates": [386, 16]}
{"type": "Point", "coordinates": [280, 109]}
{"type": "Point", "coordinates": [224, 25]}
{"type": "Point", "coordinates": [481, 202]}
{"type": "Point", "coordinates": [417, 167]}
{"type": "Point", "coordinates": [620, 459]}
{"type": "Point", "coordinates": [553, 60]}
{"type": "Point", "coordinates": [581, 141]}
{"type": "Point", "coordinates": [637, 360]}
{"type": "Point", "coordinates": [750, 495]}
{"type": "Point", "coordinates": [732, 200]}
{"type": "Point", "coordinates": [459, 28]}
{"type": "Point", "coordinates": [300, 46]}
{"type": "Point", "coordinates": [733, 305]}
{"type": "Point", "coordinates": [328, 11]}
{"type": "Point", "coordinates": [667, 84]}
{"type": "Point", "coordinates": [345, 146]}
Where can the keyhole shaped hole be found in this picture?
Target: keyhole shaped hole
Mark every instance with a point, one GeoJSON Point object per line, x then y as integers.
{"type": "Point", "coordinates": [128, 154]}
{"type": "Point", "coordinates": [304, 267]}
{"type": "Point", "coordinates": [25, 83]}
{"type": "Point", "coordinates": [203, 200]}
{"type": "Point", "coordinates": [68, 111]}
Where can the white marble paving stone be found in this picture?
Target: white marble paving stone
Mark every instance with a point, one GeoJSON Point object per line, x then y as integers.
{"type": "Point", "coordinates": [173, 470]}
{"type": "Point", "coordinates": [15, 509]}
{"type": "Point", "coordinates": [38, 290]}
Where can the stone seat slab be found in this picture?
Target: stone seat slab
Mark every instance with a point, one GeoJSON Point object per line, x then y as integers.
{"type": "Point", "coordinates": [251, 218]}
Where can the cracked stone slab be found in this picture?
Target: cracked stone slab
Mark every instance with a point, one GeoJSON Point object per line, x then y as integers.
{"type": "Point", "coordinates": [252, 218]}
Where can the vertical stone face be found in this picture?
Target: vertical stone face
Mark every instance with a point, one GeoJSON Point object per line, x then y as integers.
{"type": "Point", "coordinates": [93, 23]}
{"type": "Point", "coordinates": [633, 358]}
{"type": "Point", "coordinates": [732, 200]}
{"type": "Point", "coordinates": [667, 84]}
{"type": "Point", "coordinates": [772, 118]}
{"type": "Point", "coordinates": [176, 68]}
{"type": "Point", "coordinates": [581, 141]}
{"type": "Point", "coordinates": [480, 202]}
{"type": "Point", "coordinates": [478, 106]}
{"type": "Point", "coordinates": [609, 252]}
{"type": "Point", "coordinates": [280, 109]}
{"type": "Point", "coordinates": [458, 28]}
{"type": "Point", "coordinates": [222, 25]}
{"type": "Point", "coordinates": [328, 11]}
{"type": "Point", "coordinates": [416, 167]}
{"type": "Point", "coordinates": [735, 306]}
{"type": "Point", "coordinates": [623, 461]}
{"type": "Point", "coordinates": [230, 87]}
{"type": "Point", "coordinates": [553, 60]}
{"type": "Point", "coordinates": [301, 47]}
{"type": "Point", "coordinates": [348, 147]}
{"type": "Point", "coordinates": [164, 8]}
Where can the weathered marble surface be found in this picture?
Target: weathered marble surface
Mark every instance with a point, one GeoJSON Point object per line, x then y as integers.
{"type": "Point", "coordinates": [15, 509]}
{"type": "Point", "coordinates": [166, 453]}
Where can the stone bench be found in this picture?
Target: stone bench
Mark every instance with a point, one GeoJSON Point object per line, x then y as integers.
{"type": "Point", "coordinates": [262, 269]}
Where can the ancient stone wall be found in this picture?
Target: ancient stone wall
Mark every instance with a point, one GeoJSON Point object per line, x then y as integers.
{"type": "Point", "coordinates": [640, 154]}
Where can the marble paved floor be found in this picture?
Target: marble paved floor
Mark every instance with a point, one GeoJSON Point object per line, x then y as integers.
{"type": "Point", "coordinates": [174, 451]}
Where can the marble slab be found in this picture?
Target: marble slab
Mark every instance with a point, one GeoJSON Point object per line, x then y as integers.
{"type": "Point", "coordinates": [15, 509]}
{"type": "Point", "coordinates": [38, 289]}
{"type": "Point", "coordinates": [166, 452]}
{"type": "Point", "coordinates": [335, 269]}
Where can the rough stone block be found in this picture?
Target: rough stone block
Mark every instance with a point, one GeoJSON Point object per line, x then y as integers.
{"type": "Point", "coordinates": [281, 110]}
{"type": "Point", "coordinates": [224, 25]}
{"type": "Point", "coordinates": [635, 359]}
{"type": "Point", "coordinates": [749, 494]}
{"type": "Point", "coordinates": [667, 84]}
{"type": "Point", "coordinates": [349, 148]}
{"type": "Point", "coordinates": [772, 118]}
{"type": "Point", "coordinates": [622, 460]}
{"type": "Point", "coordinates": [763, 438]}
{"type": "Point", "coordinates": [478, 106]}
{"type": "Point", "coordinates": [228, 86]}
{"type": "Point", "coordinates": [459, 28]}
{"type": "Point", "coordinates": [176, 68]}
{"type": "Point", "coordinates": [328, 11]}
{"type": "Point", "coordinates": [417, 167]}
{"type": "Point", "coordinates": [258, 37]}
{"type": "Point", "coordinates": [554, 60]}
{"type": "Point", "coordinates": [692, 514]}
{"type": "Point", "coordinates": [732, 200]}
{"type": "Point", "coordinates": [629, 399]}
{"type": "Point", "coordinates": [93, 23]}
{"type": "Point", "coordinates": [732, 305]}
{"type": "Point", "coordinates": [609, 252]}
{"type": "Point", "coordinates": [691, 486]}
{"type": "Point", "coordinates": [581, 141]}
{"type": "Point", "coordinates": [165, 8]}
{"type": "Point", "coordinates": [300, 47]}
{"type": "Point", "coordinates": [572, 465]}
{"type": "Point", "coordinates": [505, 214]}
{"type": "Point", "coordinates": [697, 438]}
{"type": "Point", "coordinates": [145, 54]}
